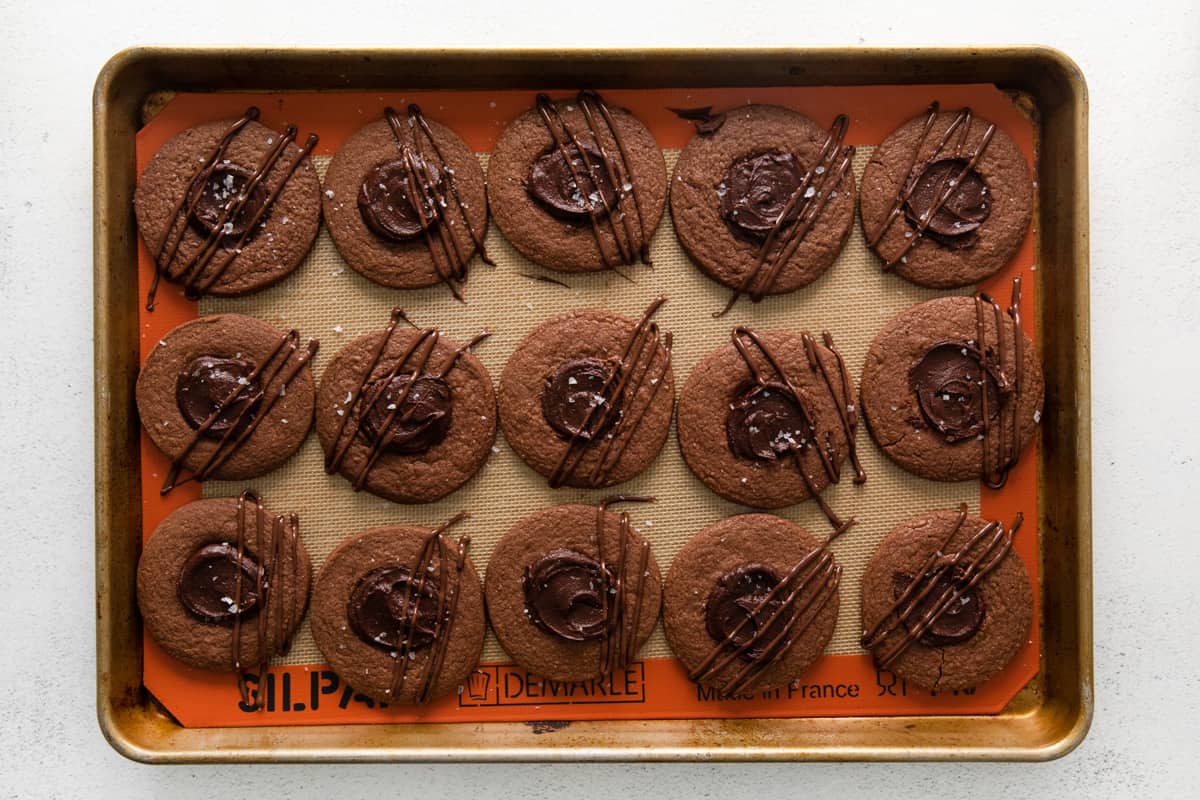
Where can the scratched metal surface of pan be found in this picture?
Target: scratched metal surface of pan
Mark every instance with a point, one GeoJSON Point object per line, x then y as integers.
{"type": "Point", "coordinates": [1045, 721]}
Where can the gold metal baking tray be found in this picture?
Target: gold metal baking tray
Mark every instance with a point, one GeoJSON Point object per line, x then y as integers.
{"type": "Point", "coordinates": [1045, 721]}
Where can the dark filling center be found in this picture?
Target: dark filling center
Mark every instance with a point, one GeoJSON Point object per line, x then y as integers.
{"type": "Point", "coordinates": [756, 190]}
{"type": "Point", "coordinates": [765, 422]}
{"type": "Point", "coordinates": [570, 394]}
{"type": "Point", "coordinates": [956, 223]}
{"type": "Point", "coordinates": [552, 184]}
{"type": "Point", "coordinates": [220, 192]}
{"type": "Point", "coordinates": [955, 625]}
{"type": "Point", "coordinates": [949, 388]}
{"type": "Point", "coordinates": [564, 595]}
{"type": "Point", "coordinates": [419, 422]}
{"type": "Point", "coordinates": [208, 584]}
{"type": "Point", "coordinates": [386, 198]}
{"type": "Point", "coordinates": [733, 602]}
{"type": "Point", "coordinates": [203, 387]}
{"type": "Point", "coordinates": [386, 610]}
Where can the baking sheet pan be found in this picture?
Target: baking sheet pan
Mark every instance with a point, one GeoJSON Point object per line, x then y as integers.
{"type": "Point", "coordinates": [1058, 705]}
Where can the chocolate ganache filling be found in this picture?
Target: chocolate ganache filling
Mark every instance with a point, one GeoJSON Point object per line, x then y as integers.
{"type": "Point", "coordinates": [957, 624]}
{"type": "Point", "coordinates": [765, 422]}
{"type": "Point", "coordinates": [956, 223]}
{"type": "Point", "coordinates": [570, 394]}
{"type": "Point", "coordinates": [222, 190]}
{"type": "Point", "coordinates": [949, 388]}
{"type": "Point", "coordinates": [552, 183]}
{"type": "Point", "coordinates": [756, 190]}
{"type": "Point", "coordinates": [564, 595]}
{"type": "Point", "coordinates": [419, 422]}
{"type": "Point", "coordinates": [386, 204]}
{"type": "Point", "coordinates": [202, 388]}
{"type": "Point", "coordinates": [733, 602]}
{"type": "Point", "coordinates": [386, 611]}
{"type": "Point", "coordinates": [208, 584]}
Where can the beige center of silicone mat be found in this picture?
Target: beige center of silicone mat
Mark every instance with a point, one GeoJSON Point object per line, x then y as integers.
{"type": "Point", "coordinates": [327, 300]}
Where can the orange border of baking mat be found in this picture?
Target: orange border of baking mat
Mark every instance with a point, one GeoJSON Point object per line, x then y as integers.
{"type": "Point", "coordinates": [656, 688]}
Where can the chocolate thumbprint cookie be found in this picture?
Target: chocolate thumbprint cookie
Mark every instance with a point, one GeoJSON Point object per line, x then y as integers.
{"type": "Point", "coordinates": [228, 207]}
{"type": "Point", "coordinates": [946, 199]}
{"type": "Point", "coordinates": [573, 591]}
{"type": "Point", "coordinates": [398, 612]}
{"type": "Point", "coordinates": [578, 185]}
{"type": "Point", "coordinates": [405, 202]}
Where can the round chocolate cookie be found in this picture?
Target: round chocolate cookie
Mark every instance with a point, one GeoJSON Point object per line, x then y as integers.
{"type": "Point", "coordinates": [227, 396]}
{"type": "Point", "coordinates": [378, 229]}
{"type": "Point", "coordinates": [220, 571]}
{"type": "Point", "coordinates": [922, 391]}
{"type": "Point", "coordinates": [751, 601]}
{"type": "Point", "coordinates": [742, 424]}
{"type": "Point", "coordinates": [946, 199]}
{"type": "Point", "coordinates": [411, 441]}
{"type": "Point", "coordinates": [559, 602]}
{"type": "Point", "coordinates": [229, 207]}
{"type": "Point", "coordinates": [586, 398]}
{"type": "Point", "coordinates": [390, 636]}
{"type": "Point", "coordinates": [927, 567]}
{"type": "Point", "coordinates": [596, 210]}
{"type": "Point", "coordinates": [764, 203]}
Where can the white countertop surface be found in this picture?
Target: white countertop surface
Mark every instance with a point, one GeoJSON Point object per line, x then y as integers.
{"type": "Point", "coordinates": [1142, 64]}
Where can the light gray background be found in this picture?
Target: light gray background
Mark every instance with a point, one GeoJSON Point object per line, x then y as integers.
{"type": "Point", "coordinates": [1143, 67]}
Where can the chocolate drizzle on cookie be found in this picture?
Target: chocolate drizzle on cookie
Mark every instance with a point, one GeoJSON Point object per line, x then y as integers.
{"type": "Point", "coordinates": [417, 195]}
{"type": "Point", "coordinates": [772, 197]}
{"type": "Point", "coordinates": [403, 616]}
{"type": "Point", "coordinates": [940, 605]}
{"type": "Point", "coordinates": [238, 404]}
{"type": "Point", "coordinates": [942, 197]}
{"type": "Point", "coordinates": [406, 409]}
{"type": "Point", "coordinates": [226, 203]}
{"type": "Point", "coordinates": [1010, 382]}
{"type": "Point", "coordinates": [611, 421]}
{"type": "Point", "coordinates": [579, 178]}
{"type": "Point", "coordinates": [772, 418]}
{"type": "Point", "coordinates": [230, 583]}
{"type": "Point", "coordinates": [621, 604]}
{"type": "Point", "coordinates": [755, 618]}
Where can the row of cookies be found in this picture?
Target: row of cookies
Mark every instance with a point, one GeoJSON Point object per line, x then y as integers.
{"type": "Point", "coordinates": [952, 390]}
{"type": "Point", "coordinates": [573, 592]}
{"type": "Point", "coordinates": [762, 198]}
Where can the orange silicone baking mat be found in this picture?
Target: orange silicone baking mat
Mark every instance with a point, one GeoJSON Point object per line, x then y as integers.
{"type": "Point", "coordinates": [327, 300]}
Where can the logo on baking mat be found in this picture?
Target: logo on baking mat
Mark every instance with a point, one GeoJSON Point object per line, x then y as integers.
{"type": "Point", "coordinates": [509, 685]}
